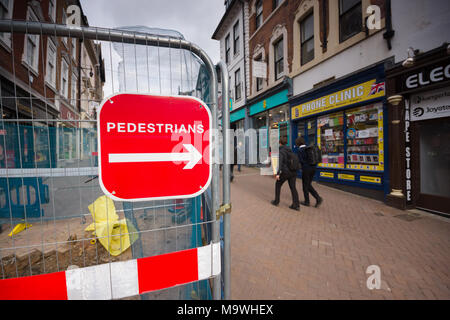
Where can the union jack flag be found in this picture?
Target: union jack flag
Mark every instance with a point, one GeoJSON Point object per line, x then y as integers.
{"type": "Point", "coordinates": [376, 87]}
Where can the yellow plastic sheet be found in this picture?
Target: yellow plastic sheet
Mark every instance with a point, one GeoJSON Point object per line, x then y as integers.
{"type": "Point", "coordinates": [112, 233]}
{"type": "Point", "coordinates": [19, 228]}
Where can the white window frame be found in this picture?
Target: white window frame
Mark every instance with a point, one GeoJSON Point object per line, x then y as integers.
{"type": "Point", "coordinates": [227, 49]}
{"type": "Point", "coordinates": [304, 41]}
{"type": "Point", "coordinates": [276, 4]}
{"type": "Point", "coordinates": [237, 85]}
{"type": "Point", "coordinates": [341, 14]}
{"type": "Point", "coordinates": [259, 52]}
{"type": "Point", "coordinates": [74, 46]}
{"type": "Point", "coordinates": [258, 5]}
{"type": "Point", "coordinates": [279, 32]}
{"type": "Point", "coordinates": [282, 73]}
{"type": "Point", "coordinates": [64, 21]}
{"type": "Point", "coordinates": [64, 89]}
{"type": "Point", "coordinates": [48, 76]}
{"type": "Point", "coordinates": [73, 89]}
{"type": "Point", "coordinates": [5, 37]}
{"type": "Point", "coordinates": [236, 38]}
{"type": "Point", "coordinates": [35, 39]}
{"type": "Point", "coordinates": [52, 10]}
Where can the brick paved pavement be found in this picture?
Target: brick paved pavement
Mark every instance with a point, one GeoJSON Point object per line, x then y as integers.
{"type": "Point", "coordinates": [278, 253]}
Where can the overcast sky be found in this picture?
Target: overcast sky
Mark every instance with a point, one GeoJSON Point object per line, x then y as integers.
{"type": "Point", "coordinates": [195, 19]}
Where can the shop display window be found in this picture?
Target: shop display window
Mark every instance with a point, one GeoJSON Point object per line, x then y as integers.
{"type": "Point", "coordinates": [365, 138]}
{"type": "Point", "coordinates": [330, 138]}
{"type": "Point", "coordinates": [357, 144]}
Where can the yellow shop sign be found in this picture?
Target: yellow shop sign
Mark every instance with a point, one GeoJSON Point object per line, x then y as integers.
{"type": "Point", "coordinates": [327, 174]}
{"type": "Point", "coordinates": [361, 92]}
{"type": "Point", "coordinates": [343, 176]}
{"type": "Point", "coordinates": [370, 179]}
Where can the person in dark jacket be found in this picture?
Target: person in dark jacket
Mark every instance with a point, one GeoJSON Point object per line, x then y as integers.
{"type": "Point", "coordinates": [308, 172]}
{"type": "Point", "coordinates": [284, 174]}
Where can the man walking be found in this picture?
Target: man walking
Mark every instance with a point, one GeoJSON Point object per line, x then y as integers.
{"type": "Point", "coordinates": [285, 173]}
{"type": "Point", "coordinates": [308, 171]}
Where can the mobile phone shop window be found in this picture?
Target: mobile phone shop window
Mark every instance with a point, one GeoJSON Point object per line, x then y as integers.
{"type": "Point", "coordinates": [365, 138]}
{"type": "Point", "coordinates": [330, 136]}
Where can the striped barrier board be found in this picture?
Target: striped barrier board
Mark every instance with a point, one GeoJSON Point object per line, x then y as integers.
{"type": "Point", "coordinates": [117, 280]}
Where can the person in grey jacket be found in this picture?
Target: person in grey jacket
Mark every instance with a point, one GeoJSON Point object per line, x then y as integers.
{"type": "Point", "coordinates": [283, 175]}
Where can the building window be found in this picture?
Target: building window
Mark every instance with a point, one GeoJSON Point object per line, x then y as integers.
{"type": "Point", "coordinates": [64, 78]}
{"type": "Point", "coordinates": [275, 4]}
{"type": "Point", "coordinates": [73, 98]}
{"type": "Point", "coordinates": [259, 16]}
{"type": "Point", "coordinates": [230, 92]}
{"type": "Point", "coordinates": [52, 10]}
{"type": "Point", "coordinates": [227, 48]}
{"type": "Point", "coordinates": [31, 48]}
{"type": "Point", "coordinates": [259, 81]}
{"type": "Point", "coordinates": [6, 7]}
{"type": "Point", "coordinates": [307, 39]}
{"type": "Point", "coordinates": [64, 21]}
{"type": "Point", "coordinates": [50, 76]}
{"type": "Point", "coordinates": [237, 84]}
{"type": "Point", "coordinates": [350, 18]}
{"type": "Point", "coordinates": [279, 59]}
{"type": "Point", "coordinates": [74, 45]}
{"type": "Point", "coordinates": [236, 38]}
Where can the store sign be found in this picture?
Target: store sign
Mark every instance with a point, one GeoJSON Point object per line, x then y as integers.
{"type": "Point", "coordinates": [259, 69]}
{"type": "Point", "coordinates": [408, 183]}
{"type": "Point", "coordinates": [343, 176]}
{"type": "Point", "coordinates": [368, 179]}
{"type": "Point", "coordinates": [327, 174]}
{"type": "Point", "coordinates": [362, 92]}
{"type": "Point", "coordinates": [430, 105]}
{"type": "Point", "coordinates": [429, 75]}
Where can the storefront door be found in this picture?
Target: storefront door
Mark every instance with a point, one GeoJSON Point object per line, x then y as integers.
{"type": "Point", "coordinates": [433, 163]}
{"type": "Point", "coordinates": [283, 130]}
{"type": "Point", "coordinates": [311, 132]}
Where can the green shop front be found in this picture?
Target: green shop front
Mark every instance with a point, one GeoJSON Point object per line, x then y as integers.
{"type": "Point", "coordinates": [346, 119]}
{"type": "Point", "coordinates": [269, 117]}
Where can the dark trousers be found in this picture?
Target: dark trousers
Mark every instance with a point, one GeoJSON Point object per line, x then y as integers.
{"type": "Point", "coordinates": [291, 181]}
{"type": "Point", "coordinates": [307, 178]}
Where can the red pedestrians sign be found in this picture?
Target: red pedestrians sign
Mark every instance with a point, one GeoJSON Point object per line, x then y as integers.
{"type": "Point", "coordinates": [153, 147]}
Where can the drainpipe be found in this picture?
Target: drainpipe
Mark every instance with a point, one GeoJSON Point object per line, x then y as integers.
{"type": "Point", "coordinates": [324, 25]}
{"type": "Point", "coordinates": [243, 51]}
{"type": "Point", "coordinates": [389, 34]}
{"type": "Point", "coordinates": [246, 127]}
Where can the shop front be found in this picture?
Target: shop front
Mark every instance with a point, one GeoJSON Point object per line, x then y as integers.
{"type": "Point", "coordinates": [347, 121]}
{"type": "Point", "coordinates": [419, 98]}
{"type": "Point", "coordinates": [26, 136]}
{"type": "Point", "coordinates": [269, 118]}
{"type": "Point", "coordinates": [68, 136]}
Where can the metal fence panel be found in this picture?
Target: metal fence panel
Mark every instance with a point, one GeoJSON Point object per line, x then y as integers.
{"type": "Point", "coordinates": [48, 150]}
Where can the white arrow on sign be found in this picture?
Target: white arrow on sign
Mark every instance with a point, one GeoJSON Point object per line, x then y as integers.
{"type": "Point", "coordinates": [193, 156]}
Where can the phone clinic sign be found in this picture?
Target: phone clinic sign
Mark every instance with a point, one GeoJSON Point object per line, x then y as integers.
{"type": "Point", "coordinates": [153, 147]}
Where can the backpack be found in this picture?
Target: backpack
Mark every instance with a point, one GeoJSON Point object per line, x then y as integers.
{"type": "Point", "coordinates": [313, 155]}
{"type": "Point", "coordinates": [293, 163]}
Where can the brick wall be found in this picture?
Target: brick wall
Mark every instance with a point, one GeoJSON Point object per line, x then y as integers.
{"type": "Point", "coordinates": [284, 15]}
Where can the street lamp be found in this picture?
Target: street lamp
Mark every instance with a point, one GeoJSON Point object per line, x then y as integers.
{"type": "Point", "coordinates": [409, 62]}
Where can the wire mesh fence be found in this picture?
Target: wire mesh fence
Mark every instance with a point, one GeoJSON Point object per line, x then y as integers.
{"type": "Point", "coordinates": [53, 213]}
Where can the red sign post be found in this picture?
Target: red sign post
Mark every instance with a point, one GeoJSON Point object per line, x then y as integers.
{"type": "Point", "coordinates": [153, 147]}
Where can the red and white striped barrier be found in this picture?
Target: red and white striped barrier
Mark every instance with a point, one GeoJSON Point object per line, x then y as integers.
{"type": "Point", "coordinates": [117, 279]}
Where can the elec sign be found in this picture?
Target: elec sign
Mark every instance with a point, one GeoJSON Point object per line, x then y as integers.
{"type": "Point", "coordinates": [428, 76]}
{"type": "Point", "coordinates": [153, 147]}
